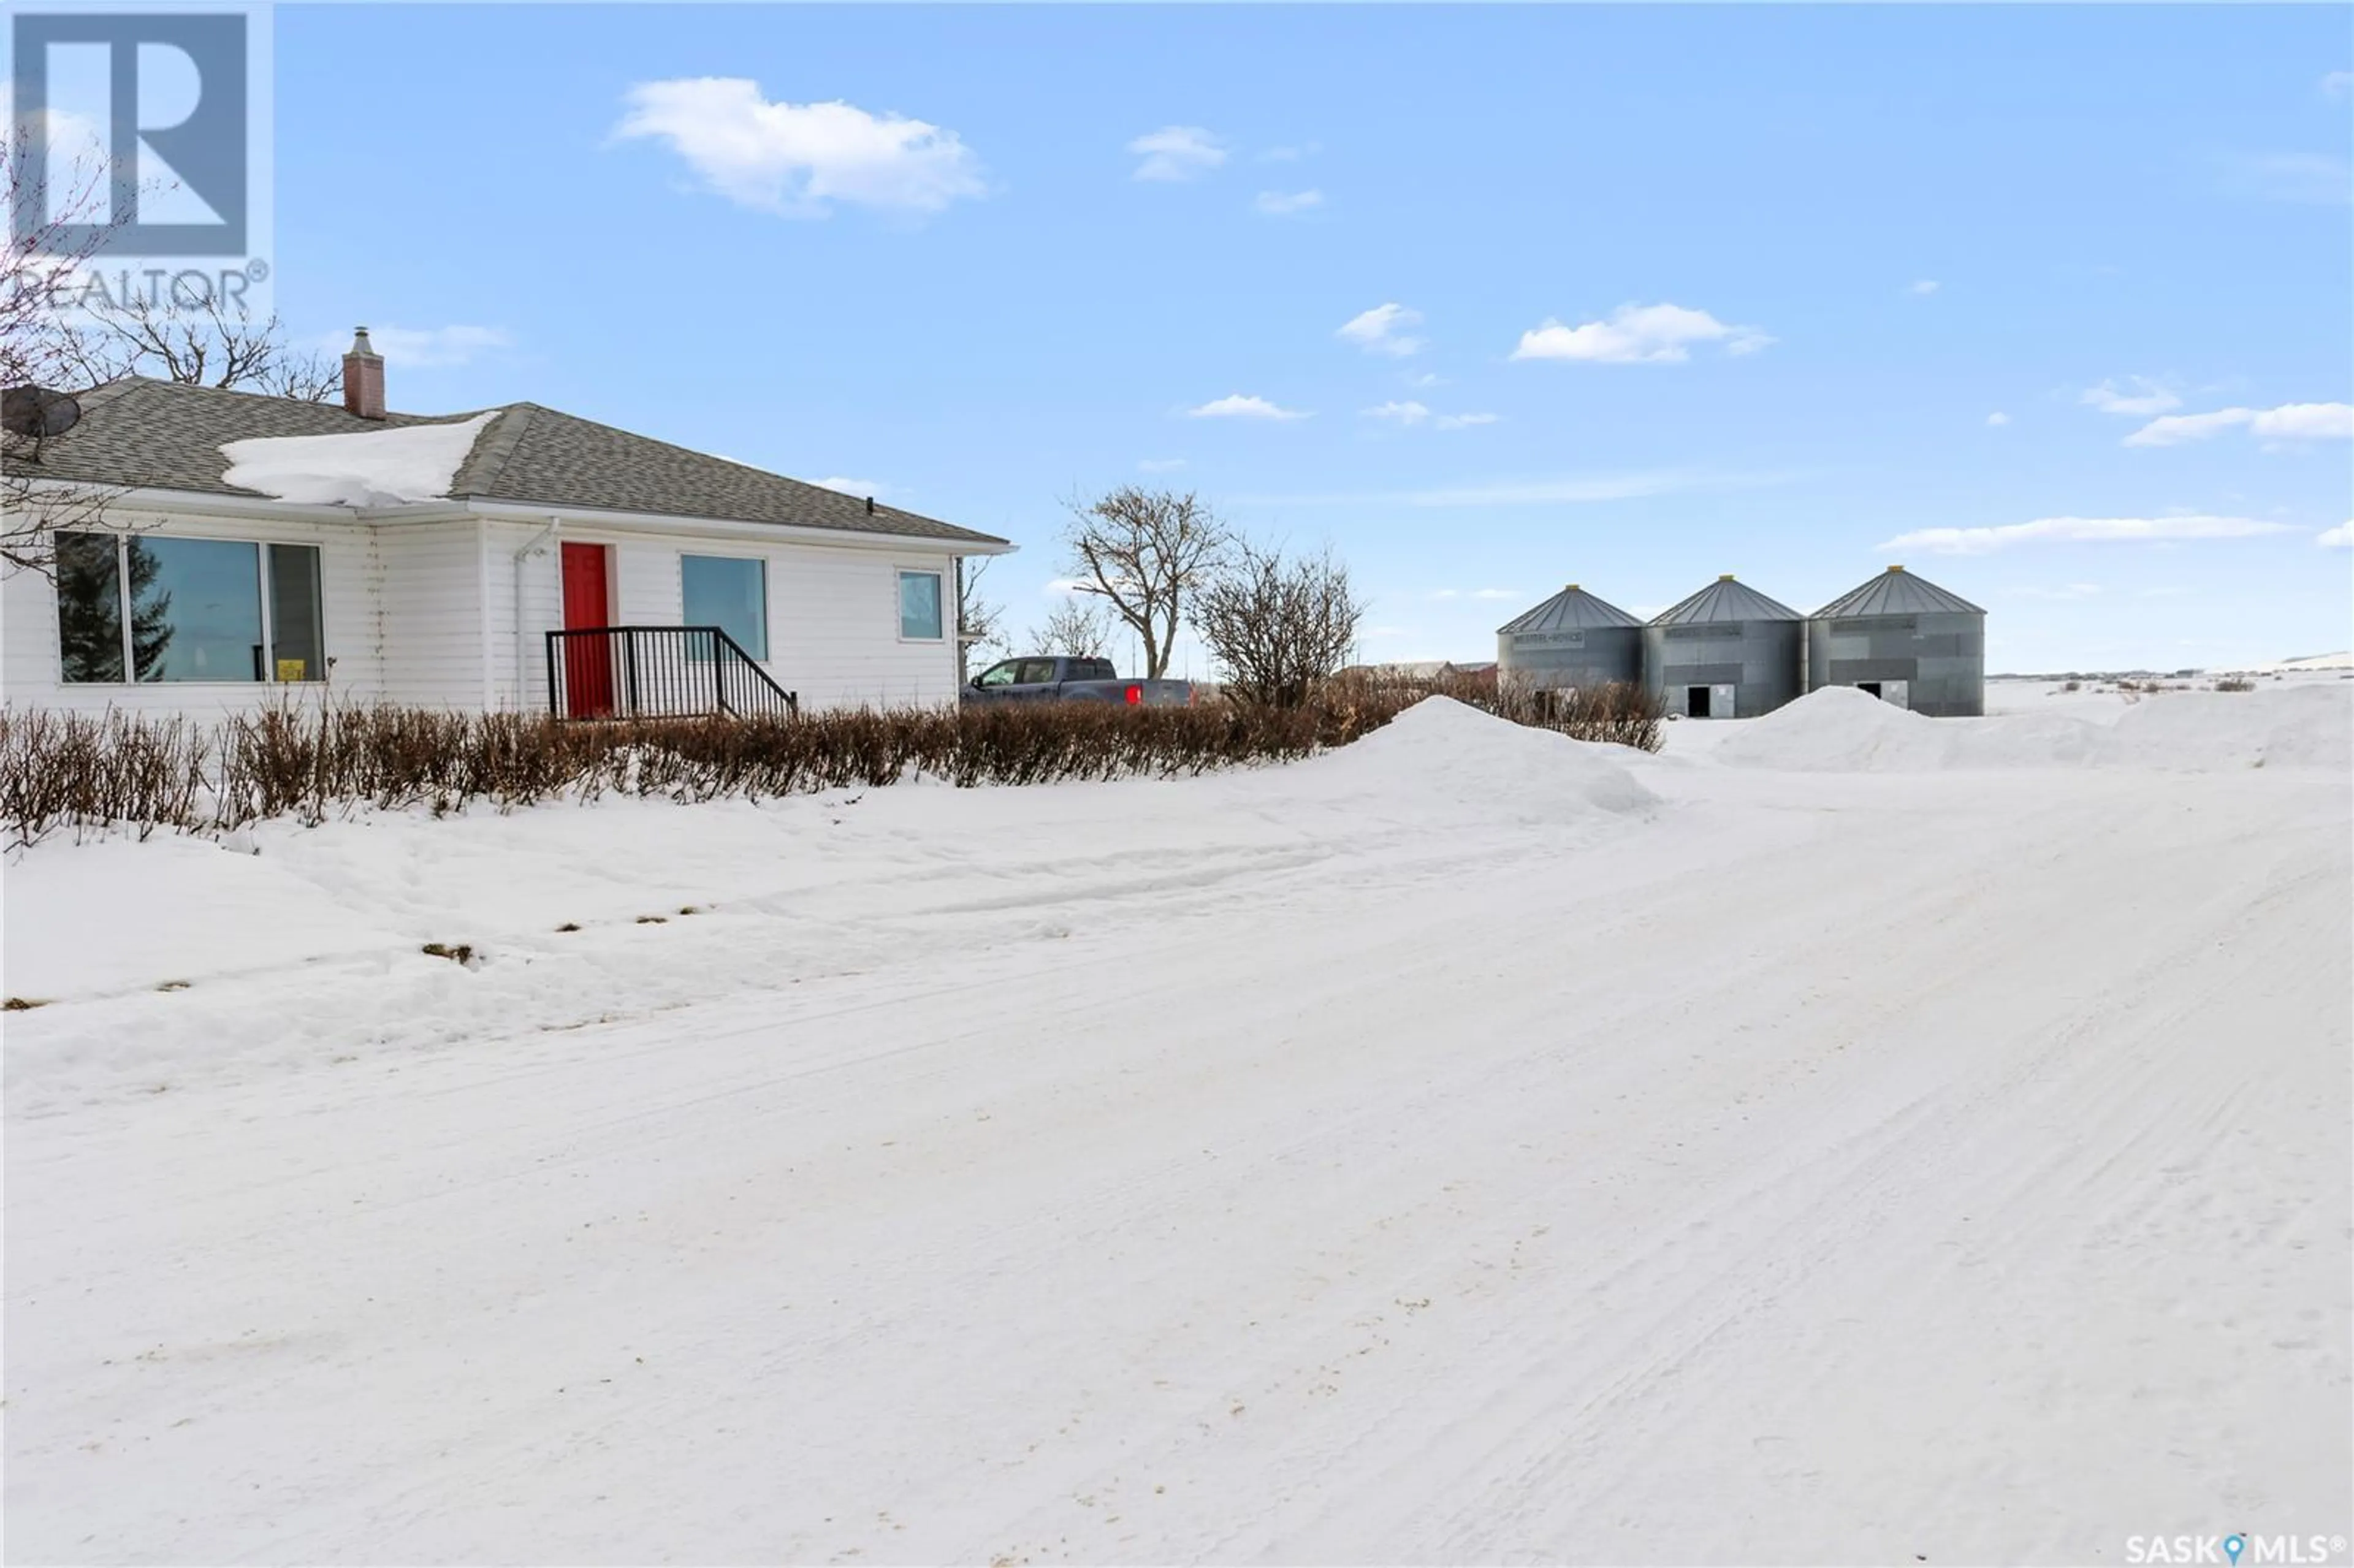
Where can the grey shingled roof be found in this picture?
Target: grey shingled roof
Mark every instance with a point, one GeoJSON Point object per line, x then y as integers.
{"type": "Point", "coordinates": [1571, 610]}
{"type": "Point", "coordinates": [166, 435]}
{"type": "Point", "coordinates": [1725, 600]}
{"type": "Point", "coordinates": [1897, 592]}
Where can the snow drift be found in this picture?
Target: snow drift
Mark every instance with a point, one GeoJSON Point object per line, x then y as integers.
{"type": "Point", "coordinates": [1839, 729]}
{"type": "Point", "coordinates": [1448, 1150]}
{"type": "Point", "coordinates": [1441, 758]}
{"type": "Point", "coordinates": [370, 467]}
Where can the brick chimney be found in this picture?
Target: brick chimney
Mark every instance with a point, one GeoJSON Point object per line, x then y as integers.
{"type": "Point", "coordinates": [364, 377]}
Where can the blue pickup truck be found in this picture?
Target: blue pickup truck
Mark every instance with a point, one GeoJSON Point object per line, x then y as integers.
{"type": "Point", "coordinates": [1043, 678]}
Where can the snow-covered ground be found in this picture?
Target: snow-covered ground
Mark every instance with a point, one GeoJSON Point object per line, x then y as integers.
{"type": "Point", "coordinates": [1841, 1137]}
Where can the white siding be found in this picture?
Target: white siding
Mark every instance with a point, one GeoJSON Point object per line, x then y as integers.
{"type": "Point", "coordinates": [834, 612]}
{"type": "Point", "coordinates": [347, 572]}
{"type": "Point", "coordinates": [833, 628]}
{"type": "Point", "coordinates": [433, 630]}
{"type": "Point", "coordinates": [425, 614]}
{"type": "Point", "coordinates": [543, 611]}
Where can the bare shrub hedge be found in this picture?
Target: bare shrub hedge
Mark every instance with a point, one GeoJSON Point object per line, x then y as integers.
{"type": "Point", "coordinates": [75, 770]}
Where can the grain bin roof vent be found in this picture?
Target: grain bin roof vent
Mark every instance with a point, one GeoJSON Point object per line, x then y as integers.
{"type": "Point", "coordinates": [1896, 592]}
{"type": "Point", "coordinates": [1571, 610]}
{"type": "Point", "coordinates": [1726, 600]}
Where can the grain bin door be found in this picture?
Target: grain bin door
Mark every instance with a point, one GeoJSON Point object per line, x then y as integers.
{"type": "Point", "coordinates": [1896, 692]}
{"type": "Point", "coordinates": [1720, 702]}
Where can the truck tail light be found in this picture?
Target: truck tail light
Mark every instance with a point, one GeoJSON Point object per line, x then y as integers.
{"type": "Point", "coordinates": [1135, 693]}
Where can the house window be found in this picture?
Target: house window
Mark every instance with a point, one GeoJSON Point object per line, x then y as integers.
{"type": "Point", "coordinates": [90, 607]}
{"type": "Point", "coordinates": [147, 608]}
{"type": "Point", "coordinates": [919, 605]}
{"type": "Point", "coordinates": [298, 633]}
{"type": "Point", "coordinates": [731, 594]}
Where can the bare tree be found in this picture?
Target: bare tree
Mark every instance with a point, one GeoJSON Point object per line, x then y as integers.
{"type": "Point", "coordinates": [1277, 626]}
{"type": "Point", "coordinates": [206, 345]}
{"type": "Point", "coordinates": [1076, 629]}
{"type": "Point", "coordinates": [1144, 551]}
{"type": "Point", "coordinates": [980, 623]}
{"type": "Point", "coordinates": [53, 342]}
{"type": "Point", "coordinates": [38, 358]}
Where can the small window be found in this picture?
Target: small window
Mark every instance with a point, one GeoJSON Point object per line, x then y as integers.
{"type": "Point", "coordinates": [1036, 673]}
{"type": "Point", "coordinates": [919, 605]}
{"type": "Point", "coordinates": [730, 593]}
{"type": "Point", "coordinates": [160, 610]}
{"type": "Point", "coordinates": [90, 607]}
{"type": "Point", "coordinates": [1001, 674]}
{"type": "Point", "coordinates": [298, 641]}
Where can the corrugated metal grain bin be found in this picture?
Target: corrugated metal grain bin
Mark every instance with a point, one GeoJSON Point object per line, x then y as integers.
{"type": "Point", "coordinates": [1571, 640]}
{"type": "Point", "coordinates": [1905, 641]}
{"type": "Point", "coordinates": [1728, 651]}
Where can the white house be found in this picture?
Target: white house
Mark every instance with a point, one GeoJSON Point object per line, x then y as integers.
{"type": "Point", "coordinates": [226, 550]}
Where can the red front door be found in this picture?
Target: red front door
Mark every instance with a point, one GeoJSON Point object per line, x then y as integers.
{"type": "Point", "coordinates": [588, 660]}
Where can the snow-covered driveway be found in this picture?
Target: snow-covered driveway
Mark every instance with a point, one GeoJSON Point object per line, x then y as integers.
{"type": "Point", "coordinates": [1468, 1146]}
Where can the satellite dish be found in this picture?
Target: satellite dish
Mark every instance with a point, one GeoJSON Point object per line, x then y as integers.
{"type": "Point", "coordinates": [33, 411]}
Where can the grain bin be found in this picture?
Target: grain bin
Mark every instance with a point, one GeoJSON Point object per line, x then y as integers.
{"type": "Point", "coordinates": [1572, 640]}
{"type": "Point", "coordinates": [1905, 641]}
{"type": "Point", "coordinates": [1728, 651]}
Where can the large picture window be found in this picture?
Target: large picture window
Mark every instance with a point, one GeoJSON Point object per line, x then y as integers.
{"type": "Point", "coordinates": [150, 609]}
{"type": "Point", "coordinates": [919, 605]}
{"type": "Point", "coordinates": [730, 593]}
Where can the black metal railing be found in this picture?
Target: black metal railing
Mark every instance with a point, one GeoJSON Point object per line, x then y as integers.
{"type": "Point", "coordinates": [658, 672]}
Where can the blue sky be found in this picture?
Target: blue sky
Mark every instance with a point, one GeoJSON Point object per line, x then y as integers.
{"type": "Point", "coordinates": [2065, 295]}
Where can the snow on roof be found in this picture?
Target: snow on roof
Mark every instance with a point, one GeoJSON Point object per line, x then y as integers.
{"type": "Point", "coordinates": [366, 467]}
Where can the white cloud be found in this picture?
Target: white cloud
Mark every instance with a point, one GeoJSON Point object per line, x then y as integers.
{"type": "Point", "coordinates": [2080, 530]}
{"type": "Point", "coordinates": [75, 183]}
{"type": "Point", "coordinates": [2288, 423]}
{"type": "Point", "coordinates": [2339, 538]}
{"type": "Point", "coordinates": [1158, 465]}
{"type": "Point", "coordinates": [1923, 286]}
{"type": "Point", "coordinates": [1235, 406]}
{"type": "Point", "coordinates": [2337, 84]}
{"type": "Point", "coordinates": [1411, 413]}
{"type": "Point", "coordinates": [2139, 397]}
{"type": "Point", "coordinates": [2308, 179]}
{"type": "Point", "coordinates": [798, 159]}
{"type": "Point", "coordinates": [1428, 378]}
{"type": "Point", "coordinates": [1283, 204]}
{"type": "Point", "coordinates": [859, 487]}
{"type": "Point", "coordinates": [1637, 335]}
{"type": "Point", "coordinates": [1382, 330]}
{"type": "Point", "coordinates": [426, 348]}
{"type": "Point", "coordinates": [1177, 152]}
{"type": "Point", "coordinates": [1997, 417]}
